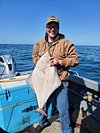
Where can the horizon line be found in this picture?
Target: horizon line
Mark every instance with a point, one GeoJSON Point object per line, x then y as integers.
{"type": "Point", "coordinates": [34, 43]}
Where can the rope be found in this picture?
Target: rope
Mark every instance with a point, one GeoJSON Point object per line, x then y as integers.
{"type": "Point", "coordinates": [15, 105]}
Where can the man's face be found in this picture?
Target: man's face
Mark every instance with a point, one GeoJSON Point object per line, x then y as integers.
{"type": "Point", "coordinates": [52, 29]}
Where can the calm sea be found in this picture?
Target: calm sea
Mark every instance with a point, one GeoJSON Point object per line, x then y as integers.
{"type": "Point", "coordinates": [89, 57]}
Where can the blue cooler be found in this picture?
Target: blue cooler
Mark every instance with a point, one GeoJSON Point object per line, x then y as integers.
{"type": "Point", "coordinates": [18, 108]}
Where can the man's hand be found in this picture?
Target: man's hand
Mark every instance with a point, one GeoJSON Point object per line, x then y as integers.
{"type": "Point", "coordinates": [54, 61]}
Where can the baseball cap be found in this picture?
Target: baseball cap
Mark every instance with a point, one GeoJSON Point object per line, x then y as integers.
{"type": "Point", "coordinates": [52, 19]}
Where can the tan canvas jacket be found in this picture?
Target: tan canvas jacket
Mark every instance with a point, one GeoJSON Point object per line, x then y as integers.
{"type": "Point", "coordinates": [62, 49]}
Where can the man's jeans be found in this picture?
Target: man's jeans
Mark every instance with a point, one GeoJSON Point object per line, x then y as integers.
{"type": "Point", "coordinates": [59, 99]}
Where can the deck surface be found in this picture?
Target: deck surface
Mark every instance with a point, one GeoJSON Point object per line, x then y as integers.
{"type": "Point", "coordinates": [86, 125]}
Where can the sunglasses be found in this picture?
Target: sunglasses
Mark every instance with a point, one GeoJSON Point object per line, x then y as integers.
{"type": "Point", "coordinates": [50, 26]}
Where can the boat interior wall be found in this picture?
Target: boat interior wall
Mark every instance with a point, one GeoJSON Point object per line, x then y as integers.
{"type": "Point", "coordinates": [91, 84]}
{"type": "Point", "coordinates": [84, 94]}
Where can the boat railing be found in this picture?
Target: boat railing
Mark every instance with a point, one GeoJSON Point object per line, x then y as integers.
{"type": "Point", "coordinates": [84, 94]}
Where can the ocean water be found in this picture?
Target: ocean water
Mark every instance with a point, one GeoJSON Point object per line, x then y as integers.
{"type": "Point", "coordinates": [89, 57]}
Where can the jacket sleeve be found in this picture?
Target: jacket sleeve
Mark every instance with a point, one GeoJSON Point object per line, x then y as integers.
{"type": "Point", "coordinates": [35, 53]}
{"type": "Point", "coordinates": [71, 59]}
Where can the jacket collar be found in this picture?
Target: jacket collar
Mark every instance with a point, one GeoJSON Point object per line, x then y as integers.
{"type": "Point", "coordinates": [57, 37]}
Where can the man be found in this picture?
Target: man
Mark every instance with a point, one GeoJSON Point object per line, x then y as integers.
{"type": "Point", "coordinates": [63, 56]}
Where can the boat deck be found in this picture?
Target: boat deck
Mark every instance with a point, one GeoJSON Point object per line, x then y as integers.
{"type": "Point", "coordinates": [84, 108]}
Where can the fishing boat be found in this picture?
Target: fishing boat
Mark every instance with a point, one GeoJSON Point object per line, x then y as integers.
{"type": "Point", "coordinates": [18, 101]}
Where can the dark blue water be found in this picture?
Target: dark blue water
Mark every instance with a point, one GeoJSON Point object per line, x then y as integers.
{"type": "Point", "coordinates": [89, 57]}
